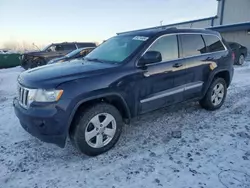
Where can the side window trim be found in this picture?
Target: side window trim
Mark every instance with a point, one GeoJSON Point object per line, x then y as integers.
{"type": "Point", "coordinates": [225, 48]}
{"type": "Point", "coordinates": [180, 46]}
{"type": "Point", "coordinates": [207, 51]}
{"type": "Point", "coordinates": [190, 56]}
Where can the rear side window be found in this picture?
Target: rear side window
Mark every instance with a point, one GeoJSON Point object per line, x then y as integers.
{"type": "Point", "coordinates": [192, 44]}
{"type": "Point", "coordinates": [69, 46]}
{"type": "Point", "coordinates": [167, 46]}
{"type": "Point", "coordinates": [84, 45]}
{"type": "Point", "coordinates": [213, 43]}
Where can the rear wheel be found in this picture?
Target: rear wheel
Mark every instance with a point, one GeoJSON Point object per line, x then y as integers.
{"type": "Point", "coordinates": [97, 129]}
{"type": "Point", "coordinates": [215, 95]}
{"type": "Point", "coordinates": [241, 60]}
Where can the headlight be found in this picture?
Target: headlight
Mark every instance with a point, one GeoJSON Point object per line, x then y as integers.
{"type": "Point", "coordinates": [41, 95]}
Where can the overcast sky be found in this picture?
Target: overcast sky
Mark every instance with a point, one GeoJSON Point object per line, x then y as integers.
{"type": "Point", "coordinates": [46, 21]}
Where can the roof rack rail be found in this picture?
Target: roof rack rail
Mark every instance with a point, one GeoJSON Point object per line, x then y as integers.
{"type": "Point", "coordinates": [150, 29]}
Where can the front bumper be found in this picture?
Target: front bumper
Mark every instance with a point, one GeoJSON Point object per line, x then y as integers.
{"type": "Point", "coordinates": [47, 123]}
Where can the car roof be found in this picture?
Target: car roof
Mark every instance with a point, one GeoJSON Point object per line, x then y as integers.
{"type": "Point", "coordinates": [74, 43]}
{"type": "Point", "coordinates": [162, 31]}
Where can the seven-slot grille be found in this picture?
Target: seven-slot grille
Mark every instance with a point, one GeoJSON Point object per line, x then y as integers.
{"type": "Point", "coordinates": [23, 94]}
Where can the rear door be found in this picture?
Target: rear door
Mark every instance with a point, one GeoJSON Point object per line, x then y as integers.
{"type": "Point", "coordinates": [162, 83]}
{"type": "Point", "coordinates": [197, 68]}
{"type": "Point", "coordinates": [201, 53]}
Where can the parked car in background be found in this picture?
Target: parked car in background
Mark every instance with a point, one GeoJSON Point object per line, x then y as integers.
{"type": "Point", "coordinates": [3, 51]}
{"type": "Point", "coordinates": [239, 51]}
{"type": "Point", "coordinates": [128, 75]}
{"type": "Point", "coordinates": [39, 58]}
{"type": "Point", "coordinates": [78, 53]}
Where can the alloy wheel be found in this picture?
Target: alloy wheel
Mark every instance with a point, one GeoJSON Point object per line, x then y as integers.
{"type": "Point", "coordinates": [241, 60]}
{"type": "Point", "coordinates": [100, 130]}
{"type": "Point", "coordinates": [218, 94]}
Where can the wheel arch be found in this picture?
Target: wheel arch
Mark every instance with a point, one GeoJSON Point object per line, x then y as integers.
{"type": "Point", "coordinates": [115, 99]}
{"type": "Point", "coordinates": [225, 74]}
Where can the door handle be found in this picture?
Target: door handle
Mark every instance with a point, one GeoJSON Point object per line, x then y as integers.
{"type": "Point", "coordinates": [177, 65]}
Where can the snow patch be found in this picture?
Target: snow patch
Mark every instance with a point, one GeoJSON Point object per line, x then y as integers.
{"type": "Point", "coordinates": [212, 150]}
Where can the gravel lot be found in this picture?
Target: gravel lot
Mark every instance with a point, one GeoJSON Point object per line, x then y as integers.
{"type": "Point", "coordinates": [213, 151]}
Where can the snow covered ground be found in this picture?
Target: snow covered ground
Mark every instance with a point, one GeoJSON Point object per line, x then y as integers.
{"type": "Point", "coordinates": [214, 151]}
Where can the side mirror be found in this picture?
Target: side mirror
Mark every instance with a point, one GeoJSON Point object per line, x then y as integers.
{"type": "Point", "coordinates": [49, 50]}
{"type": "Point", "coordinates": [150, 57]}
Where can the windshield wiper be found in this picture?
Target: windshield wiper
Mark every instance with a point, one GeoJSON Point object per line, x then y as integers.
{"type": "Point", "coordinates": [95, 59]}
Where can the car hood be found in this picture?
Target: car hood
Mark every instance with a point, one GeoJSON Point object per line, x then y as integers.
{"type": "Point", "coordinates": [50, 76]}
{"type": "Point", "coordinates": [46, 54]}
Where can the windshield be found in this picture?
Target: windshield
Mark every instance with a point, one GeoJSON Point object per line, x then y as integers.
{"type": "Point", "coordinates": [117, 49]}
{"type": "Point", "coordinates": [74, 52]}
{"type": "Point", "coordinates": [46, 47]}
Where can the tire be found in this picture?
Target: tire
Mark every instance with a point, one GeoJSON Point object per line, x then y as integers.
{"type": "Point", "coordinates": [39, 62]}
{"type": "Point", "coordinates": [25, 66]}
{"type": "Point", "coordinates": [241, 60]}
{"type": "Point", "coordinates": [214, 99]}
{"type": "Point", "coordinates": [91, 122]}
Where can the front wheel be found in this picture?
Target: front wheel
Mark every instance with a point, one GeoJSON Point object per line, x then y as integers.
{"type": "Point", "coordinates": [97, 129]}
{"type": "Point", "coordinates": [39, 62]}
{"type": "Point", "coordinates": [215, 95]}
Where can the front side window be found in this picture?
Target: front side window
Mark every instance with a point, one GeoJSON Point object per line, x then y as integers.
{"type": "Point", "coordinates": [55, 48]}
{"type": "Point", "coordinates": [117, 49]}
{"type": "Point", "coordinates": [51, 48]}
{"type": "Point", "coordinates": [192, 45]}
{"type": "Point", "coordinates": [213, 43]}
{"type": "Point", "coordinates": [167, 46]}
{"type": "Point", "coordinates": [46, 47]}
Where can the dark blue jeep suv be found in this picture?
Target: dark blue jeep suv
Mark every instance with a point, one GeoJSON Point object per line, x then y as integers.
{"type": "Point", "coordinates": [128, 75]}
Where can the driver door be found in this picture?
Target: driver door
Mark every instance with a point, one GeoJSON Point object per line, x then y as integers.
{"type": "Point", "coordinates": [162, 83]}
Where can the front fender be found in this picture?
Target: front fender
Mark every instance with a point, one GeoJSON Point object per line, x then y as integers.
{"type": "Point", "coordinates": [77, 104]}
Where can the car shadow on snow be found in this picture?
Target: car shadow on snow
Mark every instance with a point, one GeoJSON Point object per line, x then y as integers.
{"type": "Point", "coordinates": [142, 134]}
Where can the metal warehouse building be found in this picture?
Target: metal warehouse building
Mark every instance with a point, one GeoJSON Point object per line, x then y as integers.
{"type": "Point", "coordinates": [232, 21]}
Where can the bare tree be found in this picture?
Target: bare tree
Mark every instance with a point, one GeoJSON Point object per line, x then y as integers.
{"type": "Point", "coordinates": [18, 46]}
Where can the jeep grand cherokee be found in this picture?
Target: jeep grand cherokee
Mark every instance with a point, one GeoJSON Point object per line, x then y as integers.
{"type": "Point", "coordinates": [126, 76]}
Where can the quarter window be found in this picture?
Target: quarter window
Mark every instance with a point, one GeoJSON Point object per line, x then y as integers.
{"type": "Point", "coordinates": [192, 44]}
{"type": "Point", "coordinates": [213, 43]}
{"type": "Point", "coordinates": [167, 46]}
